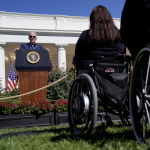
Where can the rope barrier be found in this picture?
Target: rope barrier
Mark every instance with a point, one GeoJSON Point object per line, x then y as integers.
{"type": "Point", "coordinates": [24, 94]}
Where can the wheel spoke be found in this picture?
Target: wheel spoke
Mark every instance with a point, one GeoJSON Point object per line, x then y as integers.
{"type": "Point", "coordinates": [147, 103]}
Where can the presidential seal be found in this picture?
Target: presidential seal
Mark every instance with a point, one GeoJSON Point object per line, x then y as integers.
{"type": "Point", "coordinates": [33, 57]}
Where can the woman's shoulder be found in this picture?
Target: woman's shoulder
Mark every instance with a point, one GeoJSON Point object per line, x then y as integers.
{"type": "Point", "coordinates": [117, 43]}
{"type": "Point", "coordinates": [84, 33]}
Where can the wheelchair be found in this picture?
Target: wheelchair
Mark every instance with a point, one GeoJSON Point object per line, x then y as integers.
{"type": "Point", "coordinates": [102, 83]}
{"type": "Point", "coordinates": [139, 97]}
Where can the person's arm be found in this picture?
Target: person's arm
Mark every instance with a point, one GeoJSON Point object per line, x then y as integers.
{"type": "Point", "coordinates": [73, 62]}
{"type": "Point", "coordinates": [41, 47]}
{"type": "Point", "coordinates": [127, 23]}
{"type": "Point", "coordinates": [48, 50]}
{"type": "Point", "coordinates": [17, 48]}
{"type": "Point", "coordinates": [80, 49]}
{"type": "Point", "coordinates": [22, 47]}
{"type": "Point", "coordinates": [124, 49]}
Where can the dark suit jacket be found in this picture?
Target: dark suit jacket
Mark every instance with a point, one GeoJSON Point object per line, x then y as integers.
{"type": "Point", "coordinates": [28, 46]}
{"type": "Point", "coordinates": [88, 50]}
{"type": "Point", "coordinates": [135, 25]}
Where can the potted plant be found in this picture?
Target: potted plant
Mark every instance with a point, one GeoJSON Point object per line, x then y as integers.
{"type": "Point", "coordinates": [26, 114]}
{"type": "Point", "coordinates": [61, 112]}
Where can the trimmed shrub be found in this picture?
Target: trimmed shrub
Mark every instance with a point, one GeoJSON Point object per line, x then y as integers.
{"type": "Point", "coordinates": [61, 89]}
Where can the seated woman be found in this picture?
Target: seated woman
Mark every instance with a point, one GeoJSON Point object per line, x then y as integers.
{"type": "Point", "coordinates": [102, 39]}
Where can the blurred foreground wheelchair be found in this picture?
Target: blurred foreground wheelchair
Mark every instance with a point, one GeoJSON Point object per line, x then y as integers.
{"type": "Point", "coordinates": [102, 83]}
{"type": "Point", "coordinates": [140, 96]}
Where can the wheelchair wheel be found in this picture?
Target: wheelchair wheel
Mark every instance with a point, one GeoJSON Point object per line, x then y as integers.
{"type": "Point", "coordinates": [140, 96]}
{"type": "Point", "coordinates": [83, 105]}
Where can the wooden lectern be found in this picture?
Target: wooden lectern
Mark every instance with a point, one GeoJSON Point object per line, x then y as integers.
{"type": "Point", "coordinates": [32, 67]}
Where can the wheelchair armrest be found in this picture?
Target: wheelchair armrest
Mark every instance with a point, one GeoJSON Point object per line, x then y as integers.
{"type": "Point", "coordinates": [124, 57]}
{"type": "Point", "coordinates": [85, 64]}
{"type": "Point", "coordinates": [83, 67]}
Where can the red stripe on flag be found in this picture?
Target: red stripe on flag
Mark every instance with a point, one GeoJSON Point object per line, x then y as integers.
{"type": "Point", "coordinates": [8, 88]}
{"type": "Point", "coordinates": [10, 84]}
{"type": "Point", "coordinates": [14, 84]}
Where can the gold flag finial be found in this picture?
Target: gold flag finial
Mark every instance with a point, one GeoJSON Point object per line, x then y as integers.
{"type": "Point", "coordinates": [12, 57]}
{"type": "Point", "coordinates": [51, 58]}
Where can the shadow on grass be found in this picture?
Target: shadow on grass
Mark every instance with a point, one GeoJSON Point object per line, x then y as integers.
{"type": "Point", "coordinates": [99, 138]}
{"type": "Point", "coordinates": [97, 135]}
{"type": "Point", "coordinates": [116, 133]}
{"type": "Point", "coordinates": [19, 133]}
{"type": "Point", "coordinates": [30, 132]}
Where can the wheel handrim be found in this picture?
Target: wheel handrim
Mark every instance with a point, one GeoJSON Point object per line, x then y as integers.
{"type": "Point", "coordinates": [80, 117]}
{"type": "Point", "coordinates": [139, 108]}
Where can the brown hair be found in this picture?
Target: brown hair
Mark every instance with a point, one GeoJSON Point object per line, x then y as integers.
{"type": "Point", "coordinates": [102, 28]}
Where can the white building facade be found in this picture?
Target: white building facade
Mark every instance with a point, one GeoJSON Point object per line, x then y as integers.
{"type": "Point", "coordinates": [59, 33]}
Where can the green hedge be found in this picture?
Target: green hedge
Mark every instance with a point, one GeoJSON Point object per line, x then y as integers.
{"type": "Point", "coordinates": [61, 89]}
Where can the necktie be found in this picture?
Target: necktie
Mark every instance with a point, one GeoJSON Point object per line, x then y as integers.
{"type": "Point", "coordinates": [32, 47]}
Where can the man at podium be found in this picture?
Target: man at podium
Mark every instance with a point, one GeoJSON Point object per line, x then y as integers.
{"type": "Point", "coordinates": [32, 44]}
{"type": "Point", "coordinates": [32, 64]}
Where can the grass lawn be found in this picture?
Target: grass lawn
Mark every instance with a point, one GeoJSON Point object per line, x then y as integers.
{"type": "Point", "coordinates": [117, 137]}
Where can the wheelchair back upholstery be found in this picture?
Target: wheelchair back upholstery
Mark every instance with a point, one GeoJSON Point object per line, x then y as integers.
{"type": "Point", "coordinates": [111, 79]}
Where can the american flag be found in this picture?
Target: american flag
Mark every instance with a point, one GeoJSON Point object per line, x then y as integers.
{"type": "Point", "coordinates": [11, 84]}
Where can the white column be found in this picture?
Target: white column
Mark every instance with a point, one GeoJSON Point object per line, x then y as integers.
{"type": "Point", "coordinates": [2, 64]}
{"type": "Point", "coordinates": [61, 55]}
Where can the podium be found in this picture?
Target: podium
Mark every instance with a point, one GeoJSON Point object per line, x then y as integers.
{"type": "Point", "coordinates": [32, 67]}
